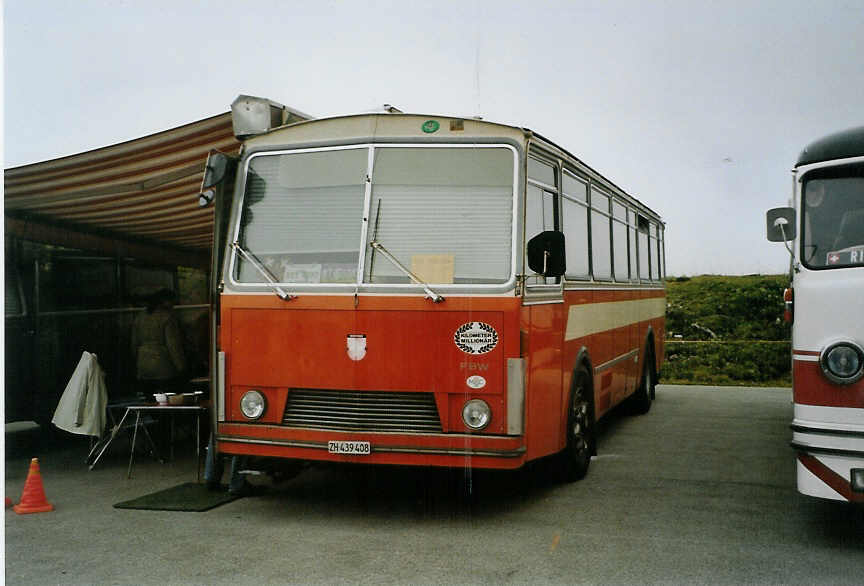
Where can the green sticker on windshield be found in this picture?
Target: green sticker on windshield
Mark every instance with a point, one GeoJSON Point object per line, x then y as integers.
{"type": "Point", "coordinates": [431, 126]}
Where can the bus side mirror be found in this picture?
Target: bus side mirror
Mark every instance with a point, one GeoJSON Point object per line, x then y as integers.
{"type": "Point", "coordinates": [214, 173]}
{"type": "Point", "coordinates": [546, 254]}
{"type": "Point", "coordinates": [780, 224]}
{"type": "Point", "coordinates": [215, 169]}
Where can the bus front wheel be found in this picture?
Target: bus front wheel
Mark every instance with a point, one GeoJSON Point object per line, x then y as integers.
{"type": "Point", "coordinates": [576, 456]}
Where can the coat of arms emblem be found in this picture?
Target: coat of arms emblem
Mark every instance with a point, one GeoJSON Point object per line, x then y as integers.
{"type": "Point", "coordinates": [356, 346]}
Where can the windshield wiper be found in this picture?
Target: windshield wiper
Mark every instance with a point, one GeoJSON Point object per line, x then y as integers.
{"type": "Point", "coordinates": [430, 294]}
{"type": "Point", "coordinates": [265, 272]}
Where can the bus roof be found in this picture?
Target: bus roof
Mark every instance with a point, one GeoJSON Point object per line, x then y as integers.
{"type": "Point", "coordinates": [359, 125]}
{"type": "Point", "coordinates": [839, 145]}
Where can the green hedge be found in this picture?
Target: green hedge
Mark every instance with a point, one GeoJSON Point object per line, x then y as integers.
{"type": "Point", "coordinates": [731, 308]}
{"type": "Point", "coordinates": [728, 363]}
{"type": "Point", "coordinates": [727, 330]}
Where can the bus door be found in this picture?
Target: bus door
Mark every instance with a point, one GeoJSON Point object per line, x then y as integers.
{"type": "Point", "coordinates": [543, 318]}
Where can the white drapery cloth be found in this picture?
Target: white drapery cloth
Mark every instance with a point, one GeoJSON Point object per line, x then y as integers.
{"type": "Point", "coordinates": [81, 408]}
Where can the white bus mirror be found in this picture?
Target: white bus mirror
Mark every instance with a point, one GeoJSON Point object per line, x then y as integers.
{"type": "Point", "coordinates": [780, 224]}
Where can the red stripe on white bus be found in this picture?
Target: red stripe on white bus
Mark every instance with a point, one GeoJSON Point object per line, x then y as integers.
{"type": "Point", "coordinates": [812, 388]}
{"type": "Point", "coordinates": [839, 484]}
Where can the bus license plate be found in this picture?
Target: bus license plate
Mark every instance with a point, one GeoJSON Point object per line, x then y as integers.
{"type": "Point", "coordinates": [355, 448]}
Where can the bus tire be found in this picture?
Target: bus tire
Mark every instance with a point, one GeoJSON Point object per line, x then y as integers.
{"type": "Point", "coordinates": [575, 458]}
{"type": "Point", "coordinates": [640, 402]}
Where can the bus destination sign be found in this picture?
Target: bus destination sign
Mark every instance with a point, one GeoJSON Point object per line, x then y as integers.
{"type": "Point", "coordinates": [847, 256]}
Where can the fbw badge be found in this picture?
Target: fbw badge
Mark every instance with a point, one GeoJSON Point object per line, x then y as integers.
{"type": "Point", "coordinates": [356, 346]}
{"type": "Point", "coordinates": [476, 337]}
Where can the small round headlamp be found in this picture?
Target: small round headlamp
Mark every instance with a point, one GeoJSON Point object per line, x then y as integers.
{"type": "Point", "coordinates": [476, 414]}
{"type": "Point", "coordinates": [252, 404]}
{"type": "Point", "coordinates": [843, 362]}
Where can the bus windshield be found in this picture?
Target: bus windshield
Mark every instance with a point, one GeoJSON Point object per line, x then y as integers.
{"type": "Point", "coordinates": [444, 213]}
{"type": "Point", "coordinates": [833, 217]}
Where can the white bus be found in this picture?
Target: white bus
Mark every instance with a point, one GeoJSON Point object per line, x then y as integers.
{"type": "Point", "coordinates": [824, 232]}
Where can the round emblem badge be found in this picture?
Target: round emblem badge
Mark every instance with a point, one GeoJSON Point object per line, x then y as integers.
{"type": "Point", "coordinates": [430, 126]}
{"type": "Point", "coordinates": [476, 337]}
{"type": "Point", "coordinates": [476, 381]}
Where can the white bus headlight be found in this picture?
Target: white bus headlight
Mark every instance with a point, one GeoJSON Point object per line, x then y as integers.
{"type": "Point", "coordinates": [476, 414]}
{"type": "Point", "coordinates": [253, 404]}
{"type": "Point", "coordinates": [843, 362]}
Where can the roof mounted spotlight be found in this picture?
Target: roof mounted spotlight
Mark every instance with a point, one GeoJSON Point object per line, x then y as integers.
{"type": "Point", "coordinates": [251, 115]}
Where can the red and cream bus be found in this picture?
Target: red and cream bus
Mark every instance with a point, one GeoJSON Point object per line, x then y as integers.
{"type": "Point", "coordinates": [824, 231]}
{"type": "Point", "coordinates": [426, 290]}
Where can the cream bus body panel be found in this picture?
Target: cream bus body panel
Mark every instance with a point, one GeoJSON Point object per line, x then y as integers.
{"type": "Point", "coordinates": [351, 129]}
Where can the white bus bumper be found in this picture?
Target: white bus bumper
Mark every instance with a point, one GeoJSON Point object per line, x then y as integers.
{"type": "Point", "coordinates": [830, 445]}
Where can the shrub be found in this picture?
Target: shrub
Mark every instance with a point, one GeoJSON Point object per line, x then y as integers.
{"type": "Point", "coordinates": [732, 308]}
{"type": "Point", "coordinates": [732, 329]}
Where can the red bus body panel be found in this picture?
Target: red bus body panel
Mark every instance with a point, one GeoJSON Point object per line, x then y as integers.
{"type": "Point", "coordinates": [275, 346]}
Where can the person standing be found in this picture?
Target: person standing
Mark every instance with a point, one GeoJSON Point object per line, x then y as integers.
{"type": "Point", "coordinates": [157, 346]}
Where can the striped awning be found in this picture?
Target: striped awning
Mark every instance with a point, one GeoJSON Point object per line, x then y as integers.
{"type": "Point", "coordinates": [142, 191]}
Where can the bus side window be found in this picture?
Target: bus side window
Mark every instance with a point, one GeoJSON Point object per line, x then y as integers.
{"type": "Point", "coordinates": [619, 242]}
{"type": "Point", "coordinates": [631, 238]}
{"type": "Point", "coordinates": [541, 211]}
{"type": "Point", "coordinates": [534, 217]}
{"type": "Point", "coordinates": [642, 236]}
{"type": "Point", "coordinates": [549, 210]}
{"type": "Point", "coordinates": [661, 253]}
{"type": "Point", "coordinates": [601, 238]}
{"type": "Point", "coordinates": [574, 208]}
{"type": "Point", "coordinates": [540, 215]}
{"type": "Point", "coordinates": [653, 242]}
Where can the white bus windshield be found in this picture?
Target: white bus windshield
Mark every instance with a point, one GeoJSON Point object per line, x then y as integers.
{"type": "Point", "coordinates": [833, 217]}
{"type": "Point", "coordinates": [445, 213]}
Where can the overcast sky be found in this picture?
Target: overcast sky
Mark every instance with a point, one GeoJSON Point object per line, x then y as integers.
{"type": "Point", "coordinates": [697, 108]}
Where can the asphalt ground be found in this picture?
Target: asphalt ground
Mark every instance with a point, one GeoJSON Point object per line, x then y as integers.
{"type": "Point", "coordinates": [699, 491]}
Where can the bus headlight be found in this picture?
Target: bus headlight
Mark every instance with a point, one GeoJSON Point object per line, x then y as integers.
{"type": "Point", "coordinates": [476, 414]}
{"type": "Point", "coordinates": [843, 362]}
{"type": "Point", "coordinates": [252, 404]}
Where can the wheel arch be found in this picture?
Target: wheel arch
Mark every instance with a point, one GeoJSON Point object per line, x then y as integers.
{"type": "Point", "coordinates": [583, 359]}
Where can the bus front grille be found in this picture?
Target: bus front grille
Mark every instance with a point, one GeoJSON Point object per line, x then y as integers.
{"type": "Point", "coordinates": [362, 411]}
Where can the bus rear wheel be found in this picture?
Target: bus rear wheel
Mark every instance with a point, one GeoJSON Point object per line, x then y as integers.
{"type": "Point", "coordinates": [640, 402]}
{"type": "Point", "coordinates": [576, 456]}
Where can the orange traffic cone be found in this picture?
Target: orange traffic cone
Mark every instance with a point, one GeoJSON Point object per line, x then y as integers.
{"type": "Point", "coordinates": [33, 496]}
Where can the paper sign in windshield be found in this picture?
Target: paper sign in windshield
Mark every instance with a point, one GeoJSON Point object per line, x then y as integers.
{"type": "Point", "coordinates": [433, 268]}
{"type": "Point", "coordinates": [476, 337]}
{"type": "Point", "coordinates": [847, 256]}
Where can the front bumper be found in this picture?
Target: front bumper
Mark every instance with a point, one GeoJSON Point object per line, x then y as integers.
{"type": "Point", "coordinates": [446, 450]}
{"type": "Point", "coordinates": [830, 445]}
